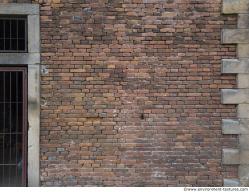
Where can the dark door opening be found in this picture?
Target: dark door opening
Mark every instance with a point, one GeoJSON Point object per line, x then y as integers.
{"type": "Point", "coordinates": [13, 126]}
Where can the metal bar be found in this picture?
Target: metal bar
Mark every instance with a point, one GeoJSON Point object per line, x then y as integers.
{"type": "Point", "coordinates": [10, 34]}
{"type": "Point", "coordinates": [10, 127]}
{"type": "Point", "coordinates": [26, 35]}
{"type": "Point", "coordinates": [25, 125]}
{"type": "Point", "coordinates": [3, 122]}
{"type": "Point", "coordinates": [17, 74]}
{"type": "Point", "coordinates": [17, 32]}
{"type": "Point", "coordinates": [2, 155]}
{"type": "Point", "coordinates": [2, 179]}
{"type": "Point", "coordinates": [4, 34]}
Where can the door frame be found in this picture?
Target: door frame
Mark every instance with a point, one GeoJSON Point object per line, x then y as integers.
{"type": "Point", "coordinates": [31, 59]}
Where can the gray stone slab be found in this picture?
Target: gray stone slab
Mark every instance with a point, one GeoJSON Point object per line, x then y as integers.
{"type": "Point", "coordinates": [34, 125]}
{"type": "Point", "coordinates": [244, 142]}
{"type": "Point", "coordinates": [231, 182]}
{"type": "Point", "coordinates": [244, 175]}
{"type": "Point", "coordinates": [235, 6]}
{"type": "Point", "coordinates": [243, 21]}
{"type": "Point", "coordinates": [235, 156]}
{"type": "Point", "coordinates": [19, 58]}
{"type": "Point", "coordinates": [230, 126]}
{"type": "Point", "coordinates": [244, 157]}
{"type": "Point", "coordinates": [243, 81]}
{"type": "Point", "coordinates": [231, 157]}
{"type": "Point", "coordinates": [243, 50]}
{"type": "Point", "coordinates": [243, 111]}
{"type": "Point", "coordinates": [244, 126]}
{"type": "Point", "coordinates": [19, 9]}
{"type": "Point", "coordinates": [235, 96]}
{"type": "Point", "coordinates": [233, 36]}
{"type": "Point", "coordinates": [235, 66]}
{"type": "Point", "coordinates": [33, 33]}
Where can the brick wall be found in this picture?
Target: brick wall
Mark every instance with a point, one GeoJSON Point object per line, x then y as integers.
{"type": "Point", "coordinates": [131, 93]}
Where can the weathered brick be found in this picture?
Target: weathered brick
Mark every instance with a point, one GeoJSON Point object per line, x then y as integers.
{"type": "Point", "coordinates": [132, 93]}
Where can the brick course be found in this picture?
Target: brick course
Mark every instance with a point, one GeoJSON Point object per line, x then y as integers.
{"type": "Point", "coordinates": [131, 93]}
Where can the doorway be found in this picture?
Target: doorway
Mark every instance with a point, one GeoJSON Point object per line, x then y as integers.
{"type": "Point", "coordinates": [13, 126]}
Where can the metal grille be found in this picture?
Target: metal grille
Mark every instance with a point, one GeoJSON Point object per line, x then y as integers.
{"type": "Point", "coordinates": [13, 127]}
{"type": "Point", "coordinates": [13, 34]}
